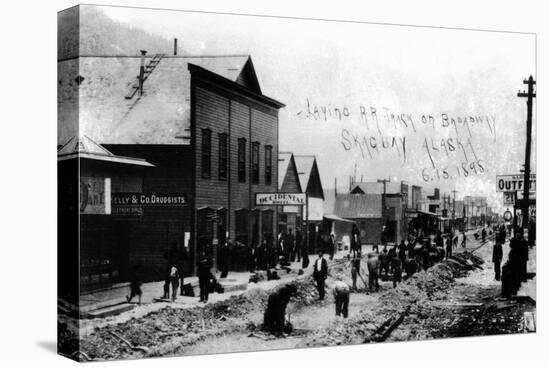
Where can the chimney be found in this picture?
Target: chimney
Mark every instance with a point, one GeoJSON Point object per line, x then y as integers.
{"type": "Point", "coordinates": [175, 46]}
{"type": "Point", "coordinates": [141, 71]}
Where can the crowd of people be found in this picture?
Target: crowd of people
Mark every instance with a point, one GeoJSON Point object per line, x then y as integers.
{"type": "Point", "coordinates": [393, 263]}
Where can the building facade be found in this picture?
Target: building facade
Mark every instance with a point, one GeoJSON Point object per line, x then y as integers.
{"type": "Point", "coordinates": [210, 136]}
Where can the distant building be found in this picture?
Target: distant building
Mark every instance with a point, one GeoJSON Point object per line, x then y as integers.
{"type": "Point", "coordinates": [475, 210]}
{"type": "Point", "coordinates": [366, 211]}
{"type": "Point", "coordinates": [300, 174]}
{"type": "Point", "coordinates": [310, 181]}
{"type": "Point", "coordinates": [395, 196]}
{"type": "Point", "coordinates": [290, 216]}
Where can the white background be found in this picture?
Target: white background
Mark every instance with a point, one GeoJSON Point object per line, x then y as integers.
{"type": "Point", "coordinates": [28, 182]}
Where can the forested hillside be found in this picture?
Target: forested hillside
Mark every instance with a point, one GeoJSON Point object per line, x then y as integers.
{"type": "Point", "coordinates": [101, 35]}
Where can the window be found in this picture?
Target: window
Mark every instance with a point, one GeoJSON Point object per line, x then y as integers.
{"type": "Point", "coordinates": [268, 160]}
{"type": "Point", "coordinates": [242, 160]}
{"type": "Point", "coordinates": [255, 159]}
{"type": "Point", "coordinates": [222, 158]}
{"type": "Point", "coordinates": [206, 152]}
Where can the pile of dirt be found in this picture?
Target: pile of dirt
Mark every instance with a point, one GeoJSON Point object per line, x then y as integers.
{"type": "Point", "coordinates": [161, 332]}
{"type": "Point", "coordinates": [160, 326]}
{"type": "Point", "coordinates": [390, 309]}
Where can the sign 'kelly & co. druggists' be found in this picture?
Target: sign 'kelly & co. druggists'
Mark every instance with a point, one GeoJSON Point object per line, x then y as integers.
{"type": "Point", "coordinates": [148, 199]}
{"type": "Point", "coordinates": [131, 204]}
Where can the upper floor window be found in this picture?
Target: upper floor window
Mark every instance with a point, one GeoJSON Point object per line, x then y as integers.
{"type": "Point", "coordinates": [241, 157]}
{"type": "Point", "coordinates": [222, 156]}
{"type": "Point", "coordinates": [268, 164]}
{"type": "Point", "coordinates": [255, 159]}
{"type": "Point", "coordinates": [206, 152]}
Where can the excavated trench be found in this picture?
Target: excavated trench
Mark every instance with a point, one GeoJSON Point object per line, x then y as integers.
{"type": "Point", "coordinates": [415, 309]}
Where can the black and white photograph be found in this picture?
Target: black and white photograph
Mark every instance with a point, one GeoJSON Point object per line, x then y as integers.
{"type": "Point", "coordinates": [237, 183]}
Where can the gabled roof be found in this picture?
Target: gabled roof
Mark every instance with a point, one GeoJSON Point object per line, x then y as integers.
{"type": "Point", "coordinates": [85, 147]}
{"type": "Point", "coordinates": [353, 206]}
{"type": "Point", "coordinates": [82, 144]}
{"type": "Point", "coordinates": [283, 161]}
{"type": "Point", "coordinates": [160, 116]}
{"type": "Point", "coordinates": [286, 163]}
{"type": "Point", "coordinates": [308, 172]}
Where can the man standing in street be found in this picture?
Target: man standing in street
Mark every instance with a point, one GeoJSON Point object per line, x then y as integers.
{"type": "Point", "coordinates": [463, 242]}
{"type": "Point", "coordinates": [320, 273]}
{"type": "Point", "coordinates": [181, 261]}
{"type": "Point", "coordinates": [171, 256]}
{"type": "Point", "coordinates": [511, 271]}
{"type": "Point", "coordinates": [497, 257]}
{"type": "Point", "coordinates": [205, 276]}
{"type": "Point", "coordinates": [397, 269]}
{"type": "Point", "coordinates": [355, 271]}
{"type": "Point", "coordinates": [449, 247]}
{"type": "Point", "coordinates": [331, 246]}
{"type": "Point", "coordinates": [305, 255]}
{"type": "Point", "coordinates": [224, 259]}
{"type": "Point", "coordinates": [384, 262]}
{"type": "Point", "coordinates": [298, 244]}
{"type": "Point", "coordinates": [289, 246]}
{"type": "Point", "coordinates": [373, 264]}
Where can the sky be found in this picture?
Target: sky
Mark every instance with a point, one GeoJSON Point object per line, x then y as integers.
{"type": "Point", "coordinates": [434, 107]}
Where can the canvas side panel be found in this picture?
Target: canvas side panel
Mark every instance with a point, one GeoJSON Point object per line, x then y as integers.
{"type": "Point", "coordinates": [68, 186]}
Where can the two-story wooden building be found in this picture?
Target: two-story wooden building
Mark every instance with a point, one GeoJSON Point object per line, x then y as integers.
{"type": "Point", "coordinates": [204, 127]}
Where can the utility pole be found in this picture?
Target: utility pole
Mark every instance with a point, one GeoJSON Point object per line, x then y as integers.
{"type": "Point", "coordinates": [383, 209]}
{"type": "Point", "coordinates": [454, 207]}
{"type": "Point", "coordinates": [526, 175]}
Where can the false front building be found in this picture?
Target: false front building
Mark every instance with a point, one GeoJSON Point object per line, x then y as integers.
{"type": "Point", "coordinates": [208, 136]}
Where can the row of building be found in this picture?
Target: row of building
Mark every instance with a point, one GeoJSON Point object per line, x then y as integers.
{"type": "Point", "coordinates": [156, 150]}
{"type": "Point", "coordinates": [388, 212]}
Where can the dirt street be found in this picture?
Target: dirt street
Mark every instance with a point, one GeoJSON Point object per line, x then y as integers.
{"type": "Point", "coordinates": [445, 301]}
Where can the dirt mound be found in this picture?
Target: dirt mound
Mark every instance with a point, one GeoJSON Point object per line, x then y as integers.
{"type": "Point", "coordinates": [163, 331]}
{"type": "Point", "coordinates": [389, 310]}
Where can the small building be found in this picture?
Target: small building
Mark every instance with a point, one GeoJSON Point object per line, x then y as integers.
{"type": "Point", "coordinates": [290, 216]}
{"type": "Point", "coordinates": [310, 182]}
{"type": "Point", "coordinates": [395, 201]}
{"type": "Point", "coordinates": [105, 235]}
{"type": "Point", "coordinates": [366, 211]}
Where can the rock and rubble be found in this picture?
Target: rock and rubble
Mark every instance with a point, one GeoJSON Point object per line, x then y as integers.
{"type": "Point", "coordinates": [430, 304]}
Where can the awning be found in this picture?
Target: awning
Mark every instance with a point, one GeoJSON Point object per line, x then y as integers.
{"type": "Point", "coordinates": [107, 158]}
{"type": "Point", "coordinates": [428, 213]}
{"type": "Point", "coordinates": [337, 218]}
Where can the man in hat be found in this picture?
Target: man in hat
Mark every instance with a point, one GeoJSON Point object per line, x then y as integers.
{"type": "Point", "coordinates": [320, 273]}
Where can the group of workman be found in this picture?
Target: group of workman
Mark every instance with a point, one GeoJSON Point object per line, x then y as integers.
{"type": "Point", "coordinates": [395, 262]}
{"type": "Point", "coordinates": [176, 258]}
